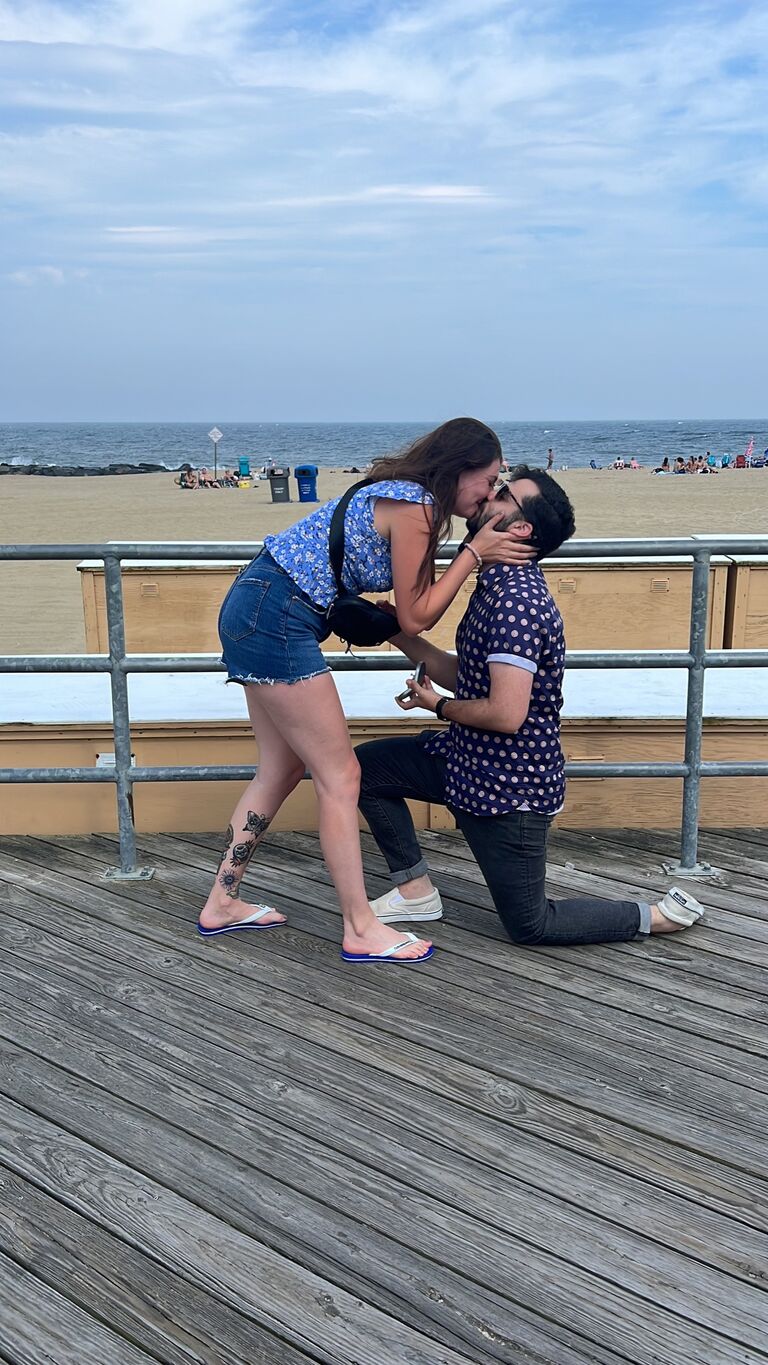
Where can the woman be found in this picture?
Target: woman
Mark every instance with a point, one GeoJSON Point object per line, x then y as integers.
{"type": "Point", "coordinates": [271, 625]}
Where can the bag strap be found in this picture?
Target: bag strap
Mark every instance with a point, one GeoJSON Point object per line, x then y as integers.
{"type": "Point", "coordinates": [336, 533]}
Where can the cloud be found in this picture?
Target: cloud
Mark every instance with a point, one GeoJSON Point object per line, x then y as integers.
{"type": "Point", "coordinates": [44, 274]}
{"type": "Point", "coordinates": [400, 149]}
{"type": "Point", "coordinates": [183, 26]}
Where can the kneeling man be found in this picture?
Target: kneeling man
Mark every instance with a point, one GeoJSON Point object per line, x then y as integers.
{"type": "Point", "coordinates": [498, 766]}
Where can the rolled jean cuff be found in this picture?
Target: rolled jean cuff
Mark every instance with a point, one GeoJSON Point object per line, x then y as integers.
{"type": "Point", "coordinates": [645, 918]}
{"type": "Point", "coordinates": [409, 874]}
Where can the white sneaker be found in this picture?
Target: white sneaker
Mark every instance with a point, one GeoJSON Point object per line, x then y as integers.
{"type": "Point", "coordinates": [680, 907]}
{"type": "Point", "coordinates": [392, 906]}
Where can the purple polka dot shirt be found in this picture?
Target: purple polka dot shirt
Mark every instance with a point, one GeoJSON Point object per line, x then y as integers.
{"type": "Point", "coordinates": [511, 619]}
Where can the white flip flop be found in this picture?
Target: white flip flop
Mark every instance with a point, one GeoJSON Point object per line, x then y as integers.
{"type": "Point", "coordinates": [251, 922]}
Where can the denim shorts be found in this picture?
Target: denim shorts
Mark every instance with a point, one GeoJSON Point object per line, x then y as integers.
{"type": "Point", "coordinates": [270, 631]}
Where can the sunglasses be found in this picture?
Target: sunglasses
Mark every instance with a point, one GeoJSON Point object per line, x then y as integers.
{"type": "Point", "coordinates": [504, 491]}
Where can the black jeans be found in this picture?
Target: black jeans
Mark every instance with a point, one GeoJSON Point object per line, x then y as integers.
{"type": "Point", "coordinates": [510, 850]}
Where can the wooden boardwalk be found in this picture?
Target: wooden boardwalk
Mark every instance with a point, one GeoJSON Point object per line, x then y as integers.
{"type": "Point", "coordinates": [245, 1152]}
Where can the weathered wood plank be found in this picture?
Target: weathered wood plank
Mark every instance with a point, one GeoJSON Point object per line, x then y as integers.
{"type": "Point", "coordinates": [590, 1175]}
{"type": "Point", "coordinates": [223, 1258]}
{"type": "Point", "coordinates": [40, 1327]}
{"type": "Point", "coordinates": [245, 1196]}
{"type": "Point", "coordinates": [534, 967]}
{"type": "Point", "coordinates": [157, 1310]}
{"type": "Point", "coordinates": [718, 847]}
{"type": "Point", "coordinates": [660, 956]}
{"type": "Point", "coordinates": [338, 1063]}
{"type": "Point", "coordinates": [387, 1136]}
{"type": "Point", "coordinates": [578, 1067]}
{"type": "Point", "coordinates": [686, 1003]}
{"type": "Point", "coordinates": [596, 1018]}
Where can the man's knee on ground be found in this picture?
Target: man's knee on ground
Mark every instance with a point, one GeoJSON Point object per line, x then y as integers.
{"type": "Point", "coordinates": [524, 935]}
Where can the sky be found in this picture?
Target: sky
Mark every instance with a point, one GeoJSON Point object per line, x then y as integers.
{"type": "Point", "coordinates": [224, 210]}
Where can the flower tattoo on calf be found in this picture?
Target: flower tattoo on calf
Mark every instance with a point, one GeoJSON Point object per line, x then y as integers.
{"type": "Point", "coordinates": [256, 824]}
{"type": "Point", "coordinates": [229, 880]}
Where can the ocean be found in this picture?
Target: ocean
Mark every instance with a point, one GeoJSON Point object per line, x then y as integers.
{"type": "Point", "coordinates": [342, 445]}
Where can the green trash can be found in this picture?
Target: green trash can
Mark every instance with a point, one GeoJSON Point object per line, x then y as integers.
{"type": "Point", "coordinates": [278, 485]}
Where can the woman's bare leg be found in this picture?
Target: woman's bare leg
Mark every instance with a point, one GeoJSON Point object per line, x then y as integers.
{"type": "Point", "coordinates": [308, 717]}
{"type": "Point", "coordinates": [280, 770]}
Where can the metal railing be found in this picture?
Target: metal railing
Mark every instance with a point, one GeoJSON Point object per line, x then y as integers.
{"type": "Point", "coordinates": [696, 659]}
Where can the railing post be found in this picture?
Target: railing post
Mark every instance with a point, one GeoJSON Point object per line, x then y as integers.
{"type": "Point", "coordinates": [121, 727]}
{"type": "Point", "coordinates": [688, 866]}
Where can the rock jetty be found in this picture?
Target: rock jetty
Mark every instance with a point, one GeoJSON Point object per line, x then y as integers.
{"type": "Point", "coordinates": [68, 471]}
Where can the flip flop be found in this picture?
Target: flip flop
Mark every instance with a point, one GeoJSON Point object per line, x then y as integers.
{"type": "Point", "coordinates": [388, 954]}
{"type": "Point", "coordinates": [250, 923]}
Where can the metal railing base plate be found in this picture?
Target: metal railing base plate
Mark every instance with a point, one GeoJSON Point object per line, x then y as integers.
{"type": "Point", "coordinates": [136, 874]}
{"type": "Point", "coordinates": [700, 871]}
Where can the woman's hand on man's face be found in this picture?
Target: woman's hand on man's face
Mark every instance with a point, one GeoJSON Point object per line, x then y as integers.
{"type": "Point", "coordinates": [501, 547]}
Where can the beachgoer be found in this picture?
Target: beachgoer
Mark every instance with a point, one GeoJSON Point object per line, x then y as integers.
{"type": "Point", "coordinates": [550, 458]}
{"type": "Point", "coordinates": [271, 625]}
{"type": "Point", "coordinates": [633, 464]}
{"type": "Point", "coordinates": [679, 466]}
{"type": "Point", "coordinates": [498, 766]}
{"type": "Point", "coordinates": [663, 468]}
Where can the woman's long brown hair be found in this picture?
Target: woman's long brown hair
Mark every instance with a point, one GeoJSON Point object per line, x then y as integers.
{"type": "Point", "coordinates": [436, 461]}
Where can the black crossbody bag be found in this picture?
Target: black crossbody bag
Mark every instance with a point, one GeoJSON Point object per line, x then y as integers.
{"type": "Point", "coordinates": [355, 620]}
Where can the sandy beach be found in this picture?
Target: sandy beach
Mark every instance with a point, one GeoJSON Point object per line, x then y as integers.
{"type": "Point", "coordinates": [42, 607]}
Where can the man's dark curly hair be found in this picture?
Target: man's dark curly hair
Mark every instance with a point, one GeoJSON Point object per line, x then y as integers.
{"type": "Point", "coordinates": [550, 514]}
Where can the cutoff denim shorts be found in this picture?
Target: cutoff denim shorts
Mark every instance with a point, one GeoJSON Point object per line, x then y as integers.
{"type": "Point", "coordinates": [270, 631]}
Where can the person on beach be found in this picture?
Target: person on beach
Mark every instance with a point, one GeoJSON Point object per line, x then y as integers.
{"type": "Point", "coordinates": [271, 625]}
{"type": "Point", "coordinates": [550, 458]}
{"type": "Point", "coordinates": [498, 766]}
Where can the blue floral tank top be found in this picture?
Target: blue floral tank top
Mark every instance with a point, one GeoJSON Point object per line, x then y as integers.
{"type": "Point", "coordinates": [302, 550]}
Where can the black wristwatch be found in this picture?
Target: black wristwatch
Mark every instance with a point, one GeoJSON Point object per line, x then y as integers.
{"type": "Point", "coordinates": [441, 705]}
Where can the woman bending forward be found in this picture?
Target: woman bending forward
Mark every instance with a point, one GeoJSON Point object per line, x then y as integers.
{"type": "Point", "coordinates": [273, 620]}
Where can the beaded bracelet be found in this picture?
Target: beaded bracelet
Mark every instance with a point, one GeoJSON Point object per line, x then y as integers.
{"type": "Point", "coordinates": [473, 551]}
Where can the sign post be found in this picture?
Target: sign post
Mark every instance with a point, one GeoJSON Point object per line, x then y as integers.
{"type": "Point", "coordinates": [215, 435]}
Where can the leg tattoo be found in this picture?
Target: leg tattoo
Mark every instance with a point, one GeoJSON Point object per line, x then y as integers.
{"type": "Point", "coordinates": [242, 853]}
{"type": "Point", "coordinates": [230, 881]}
{"type": "Point", "coordinates": [236, 857]}
{"type": "Point", "coordinates": [256, 824]}
{"type": "Point", "coordinates": [229, 836]}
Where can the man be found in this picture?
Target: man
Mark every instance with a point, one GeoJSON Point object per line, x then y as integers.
{"type": "Point", "coordinates": [498, 766]}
